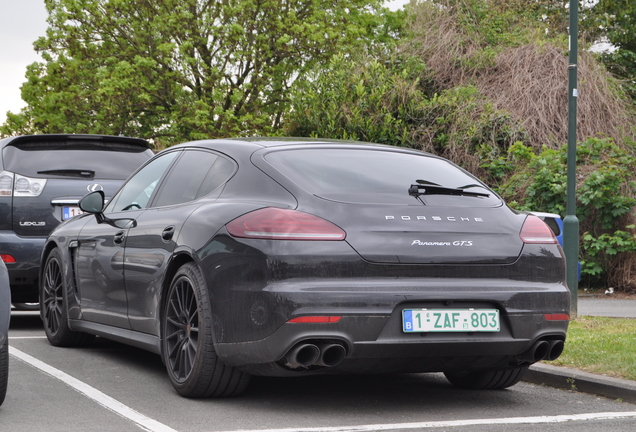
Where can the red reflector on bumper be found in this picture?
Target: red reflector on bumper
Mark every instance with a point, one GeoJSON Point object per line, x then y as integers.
{"type": "Point", "coordinates": [315, 319]}
{"type": "Point", "coordinates": [7, 258]}
{"type": "Point", "coordinates": [556, 317]}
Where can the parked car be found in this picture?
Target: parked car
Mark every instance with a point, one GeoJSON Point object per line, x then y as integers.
{"type": "Point", "coordinates": [42, 177]}
{"type": "Point", "coordinates": [286, 257]}
{"type": "Point", "coordinates": [5, 316]}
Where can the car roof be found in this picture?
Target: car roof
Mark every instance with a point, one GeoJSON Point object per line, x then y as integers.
{"type": "Point", "coordinates": [255, 143]}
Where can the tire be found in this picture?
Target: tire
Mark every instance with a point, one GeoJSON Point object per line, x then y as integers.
{"type": "Point", "coordinates": [487, 380]}
{"type": "Point", "coordinates": [53, 306]}
{"type": "Point", "coordinates": [4, 369]}
{"type": "Point", "coordinates": [188, 349]}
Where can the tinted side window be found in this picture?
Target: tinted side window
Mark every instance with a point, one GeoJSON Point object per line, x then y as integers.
{"type": "Point", "coordinates": [137, 191]}
{"type": "Point", "coordinates": [196, 174]}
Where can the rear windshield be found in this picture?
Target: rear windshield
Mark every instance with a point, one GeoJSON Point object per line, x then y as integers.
{"type": "Point", "coordinates": [101, 160]}
{"type": "Point", "coordinates": [376, 176]}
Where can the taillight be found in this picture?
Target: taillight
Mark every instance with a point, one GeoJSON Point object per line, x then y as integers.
{"type": "Point", "coordinates": [7, 258]}
{"type": "Point", "coordinates": [23, 186]}
{"type": "Point", "coordinates": [282, 224]}
{"type": "Point", "coordinates": [28, 187]}
{"type": "Point", "coordinates": [536, 231]}
{"type": "Point", "coordinates": [6, 183]}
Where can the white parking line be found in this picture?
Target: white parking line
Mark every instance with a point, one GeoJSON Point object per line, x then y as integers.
{"type": "Point", "coordinates": [458, 423]}
{"type": "Point", "coordinates": [104, 400]}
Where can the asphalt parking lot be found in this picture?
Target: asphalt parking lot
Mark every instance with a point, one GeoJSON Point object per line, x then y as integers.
{"type": "Point", "coordinates": [112, 387]}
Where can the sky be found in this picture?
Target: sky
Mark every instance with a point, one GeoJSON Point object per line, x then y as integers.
{"type": "Point", "coordinates": [23, 22]}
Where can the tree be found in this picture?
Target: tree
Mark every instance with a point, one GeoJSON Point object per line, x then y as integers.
{"type": "Point", "coordinates": [174, 70]}
{"type": "Point", "coordinates": [616, 21]}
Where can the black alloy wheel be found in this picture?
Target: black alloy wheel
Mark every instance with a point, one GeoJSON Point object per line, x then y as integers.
{"type": "Point", "coordinates": [53, 306]}
{"type": "Point", "coordinates": [188, 348]}
{"type": "Point", "coordinates": [182, 329]}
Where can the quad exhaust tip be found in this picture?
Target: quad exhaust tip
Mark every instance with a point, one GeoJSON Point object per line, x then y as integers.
{"type": "Point", "coordinates": [556, 349]}
{"type": "Point", "coordinates": [307, 354]}
{"type": "Point", "coordinates": [304, 354]}
{"type": "Point", "coordinates": [543, 350]}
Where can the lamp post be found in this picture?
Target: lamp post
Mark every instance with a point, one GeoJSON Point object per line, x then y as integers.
{"type": "Point", "coordinates": [571, 222]}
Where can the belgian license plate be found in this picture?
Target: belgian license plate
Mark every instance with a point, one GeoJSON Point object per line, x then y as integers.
{"type": "Point", "coordinates": [70, 211]}
{"type": "Point", "coordinates": [450, 320]}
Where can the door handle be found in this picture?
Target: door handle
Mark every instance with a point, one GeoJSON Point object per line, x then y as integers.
{"type": "Point", "coordinates": [119, 237]}
{"type": "Point", "coordinates": [167, 233]}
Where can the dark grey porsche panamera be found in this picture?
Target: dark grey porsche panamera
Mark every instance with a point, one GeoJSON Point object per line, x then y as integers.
{"type": "Point", "coordinates": [282, 257]}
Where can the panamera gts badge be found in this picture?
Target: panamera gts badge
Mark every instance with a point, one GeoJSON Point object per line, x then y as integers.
{"type": "Point", "coordinates": [465, 243]}
{"type": "Point", "coordinates": [94, 187]}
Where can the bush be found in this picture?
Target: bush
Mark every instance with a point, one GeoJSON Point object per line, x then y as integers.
{"type": "Point", "coordinates": [605, 201]}
{"type": "Point", "coordinates": [364, 99]}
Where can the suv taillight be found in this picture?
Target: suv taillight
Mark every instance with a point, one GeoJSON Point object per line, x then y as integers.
{"type": "Point", "coordinates": [536, 231]}
{"type": "Point", "coordinates": [6, 183]}
{"type": "Point", "coordinates": [21, 187]}
{"type": "Point", "coordinates": [28, 187]}
{"type": "Point", "coordinates": [282, 224]}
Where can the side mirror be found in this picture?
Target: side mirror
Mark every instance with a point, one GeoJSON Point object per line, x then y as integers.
{"type": "Point", "coordinates": [93, 202]}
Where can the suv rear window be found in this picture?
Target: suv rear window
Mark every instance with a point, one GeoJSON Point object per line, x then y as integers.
{"type": "Point", "coordinates": [72, 158]}
{"type": "Point", "coordinates": [376, 176]}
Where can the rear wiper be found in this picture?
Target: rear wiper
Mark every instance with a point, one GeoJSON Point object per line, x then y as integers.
{"type": "Point", "coordinates": [427, 188]}
{"type": "Point", "coordinates": [70, 173]}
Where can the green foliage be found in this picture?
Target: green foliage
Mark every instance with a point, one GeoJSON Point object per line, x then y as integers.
{"type": "Point", "coordinates": [601, 345]}
{"type": "Point", "coordinates": [605, 195]}
{"type": "Point", "coordinates": [466, 121]}
{"type": "Point", "coordinates": [499, 23]}
{"type": "Point", "coordinates": [391, 102]}
{"type": "Point", "coordinates": [175, 70]}
{"type": "Point", "coordinates": [622, 63]}
{"type": "Point", "coordinates": [602, 250]}
{"type": "Point", "coordinates": [615, 20]}
{"type": "Point", "coordinates": [365, 99]}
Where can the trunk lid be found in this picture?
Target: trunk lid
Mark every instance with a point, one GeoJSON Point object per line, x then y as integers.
{"type": "Point", "coordinates": [398, 205]}
{"type": "Point", "coordinates": [426, 235]}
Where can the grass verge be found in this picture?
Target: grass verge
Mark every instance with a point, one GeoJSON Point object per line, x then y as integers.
{"type": "Point", "coordinates": [601, 345]}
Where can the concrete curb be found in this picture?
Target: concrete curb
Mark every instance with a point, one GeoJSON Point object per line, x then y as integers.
{"type": "Point", "coordinates": [571, 379]}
